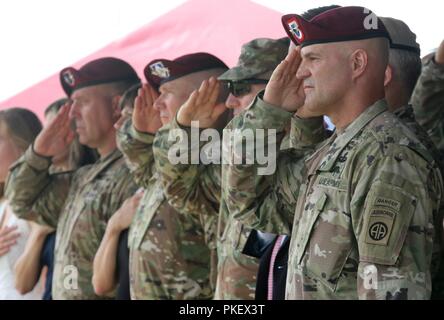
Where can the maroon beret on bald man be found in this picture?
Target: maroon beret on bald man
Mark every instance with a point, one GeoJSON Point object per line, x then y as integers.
{"type": "Point", "coordinates": [99, 71]}
{"type": "Point", "coordinates": [160, 71]}
{"type": "Point", "coordinates": [339, 24]}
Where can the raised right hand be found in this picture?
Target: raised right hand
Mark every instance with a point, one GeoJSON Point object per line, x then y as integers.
{"type": "Point", "coordinates": [284, 89]}
{"type": "Point", "coordinates": [145, 117]}
{"type": "Point", "coordinates": [57, 135]}
{"type": "Point", "coordinates": [202, 106]}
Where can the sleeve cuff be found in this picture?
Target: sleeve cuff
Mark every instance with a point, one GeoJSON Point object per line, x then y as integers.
{"type": "Point", "coordinates": [35, 160]}
{"type": "Point", "coordinates": [433, 69]}
{"type": "Point", "coordinates": [144, 137]}
{"type": "Point", "coordinates": [307, 131]}
{"type": "Point", "coordinates": [176, 125]}
{"type": "Point", "coordinates": [271, 117]}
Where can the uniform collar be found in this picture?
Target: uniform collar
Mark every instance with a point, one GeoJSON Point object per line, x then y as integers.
{"type": "Point", "coordinates": [344, 137]}
{"type": "Point", "coordinates": [102, 164]}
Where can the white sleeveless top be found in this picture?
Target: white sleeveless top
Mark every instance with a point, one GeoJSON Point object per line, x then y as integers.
{"type": "Point", "coordinates": [7, 261]}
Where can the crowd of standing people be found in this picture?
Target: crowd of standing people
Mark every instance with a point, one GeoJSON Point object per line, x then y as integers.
{"type": "Point", "coordinates": [117, 197]}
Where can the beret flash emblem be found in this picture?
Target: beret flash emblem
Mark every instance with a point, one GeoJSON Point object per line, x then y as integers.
{"type": "Point", "coordinates": [158, 69]}
{"type": "Point", "coordinates": [69, 79]}
{"type": "Point", "coordinates": [294, 29]}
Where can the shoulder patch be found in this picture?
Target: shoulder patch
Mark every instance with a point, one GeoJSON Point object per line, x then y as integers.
{"type": "Point", "coordinates": [380, 226]}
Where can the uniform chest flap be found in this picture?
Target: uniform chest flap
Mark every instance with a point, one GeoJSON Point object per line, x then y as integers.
{"type": "Point", "coordinates": [324, 235]}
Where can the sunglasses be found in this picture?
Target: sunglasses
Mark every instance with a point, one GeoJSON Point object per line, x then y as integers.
{"type": "Point", "coordinates": [240, 88]}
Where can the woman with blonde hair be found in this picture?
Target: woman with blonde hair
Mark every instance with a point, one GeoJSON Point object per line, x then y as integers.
{"type": "Point", "coordinates": [18, 129]}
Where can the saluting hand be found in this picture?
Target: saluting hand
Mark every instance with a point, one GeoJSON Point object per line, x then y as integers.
{"type": "Point", "coordinates": [57, 135]}
{"type": "Point", "coordinates": [202, 106]}
{"type": "Point", "coordinates": [284, 89]}
{"type": "Point", "coordinates": [145, 117]}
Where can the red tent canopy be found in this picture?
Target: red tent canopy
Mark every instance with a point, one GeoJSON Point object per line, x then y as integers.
{"type": "Point", "coordinates": [217, 27]}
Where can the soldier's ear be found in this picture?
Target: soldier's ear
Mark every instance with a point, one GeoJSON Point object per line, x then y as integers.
{"type": "Point", "coordinates": [116, 107]}
{"type": "Point", "coordinates": [388, 76]}
{"type": "Point", "coordinates": [359, 62]}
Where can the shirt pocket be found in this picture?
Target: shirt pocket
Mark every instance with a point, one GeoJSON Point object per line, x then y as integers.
{"type": "Point", "coordinates": [325, 242]}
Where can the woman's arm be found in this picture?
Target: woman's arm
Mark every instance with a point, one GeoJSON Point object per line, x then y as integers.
{"type": "Point", "coordinates": [104, 268]}
{"type": "Point", "coordinates": [28, 267]}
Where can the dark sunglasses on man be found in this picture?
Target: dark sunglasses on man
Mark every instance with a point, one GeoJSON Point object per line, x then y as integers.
{"type": "Point", "coordinates": [242, 87]}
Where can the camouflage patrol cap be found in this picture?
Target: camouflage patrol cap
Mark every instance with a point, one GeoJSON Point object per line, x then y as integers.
{"type": "Point", "coordinates": [402, 37]}
{"type": "Point", "coordinates": [258, 59]}
{"type": "Point", "coordinates": [95, 72]}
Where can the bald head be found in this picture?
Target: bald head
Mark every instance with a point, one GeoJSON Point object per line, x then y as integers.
{"type": "Point", "coordinates": [343, 75]}
{"type": "Point", "coordinates": [367, 57]}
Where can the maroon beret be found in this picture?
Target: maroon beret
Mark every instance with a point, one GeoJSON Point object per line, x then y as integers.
{"type": "Point", "coordinates": [339, 24]}
{"type": "Point", "coordinates": [100, 71]}
{"type": "Point", "coordinates": [160, 71]}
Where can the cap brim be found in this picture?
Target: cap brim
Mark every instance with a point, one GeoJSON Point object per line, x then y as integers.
{"type": "Point", "coordinates": [235, 74]}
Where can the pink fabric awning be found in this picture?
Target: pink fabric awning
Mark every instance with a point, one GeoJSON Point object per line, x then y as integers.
{"type": "Point", "coordinates": [217, 27]}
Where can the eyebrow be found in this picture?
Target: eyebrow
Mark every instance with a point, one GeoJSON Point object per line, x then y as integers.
{"type": "Point", "coordinates": [310, 55]}
{"type": "Point", "coordinates": [165, 88]}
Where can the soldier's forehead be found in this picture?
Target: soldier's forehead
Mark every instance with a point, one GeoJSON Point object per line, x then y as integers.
{"type": "Point", "coordinates": [3, 128]}
{"type": "Point", "coordinates": [316, 49]}
{"type": "Point", "coordinates": [176, 84]}
{"type": "Point", "coordinates": [86, 92]}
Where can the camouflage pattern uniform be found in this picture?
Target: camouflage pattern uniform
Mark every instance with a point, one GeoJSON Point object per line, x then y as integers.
{"type": "Point", "coordinates": [364, 219]}
{"type": "Point", "coordinates": [78, 204]}
{"type": "Point", "coordinates": [267, 202]}
{"type": "Point", "coordinates": [199, 188]}
{"type": "Point", "coordinates": [373, 182]}
{"type": "Point", "coordinates": [428, 101]}
{"type": "Point", "coordinates": [172, 255]}
{"type": "Point", "coordinates": [196, 190]}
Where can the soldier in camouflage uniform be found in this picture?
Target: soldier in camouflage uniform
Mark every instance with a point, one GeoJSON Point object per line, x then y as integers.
{"type": "Point", "coordinates": [172, 254]}
{"type": "Point", "coordinates": [197, 187]}
{"type": "Point", "coordinates": [373, 190]}
{"type": "Point", "coordinates": [78, 204]}
{"type": "Point", "coordinates": [428, 97]}
{"type": "Point", "coordinates": [404, 69]}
